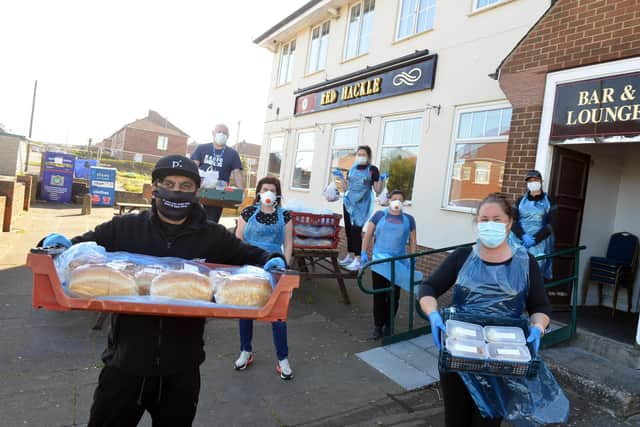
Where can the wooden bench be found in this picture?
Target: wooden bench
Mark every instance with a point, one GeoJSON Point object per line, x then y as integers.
{"type": "Point", "coordinates": [327, 260]}
{"type": "Point", "coordinates": [130, 207]}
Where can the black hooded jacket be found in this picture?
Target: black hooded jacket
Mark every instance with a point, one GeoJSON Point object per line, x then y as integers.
{"type": "Point", "coordinates": [154, 345]}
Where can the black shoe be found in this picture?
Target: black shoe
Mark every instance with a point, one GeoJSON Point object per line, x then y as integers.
{"type": "Point", "coordinates": [377, 333]}
{"type": "Point", "coordinates": [386, 331]}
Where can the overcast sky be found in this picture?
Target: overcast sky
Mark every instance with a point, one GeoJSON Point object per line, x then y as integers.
{"type": "Point", "coordinates": [100, 65]}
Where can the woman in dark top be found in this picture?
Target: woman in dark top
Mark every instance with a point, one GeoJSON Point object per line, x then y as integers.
{"type": "Point", "coordinates": [363, 179]}
{"type": "Point", "coordinates": [492, 279]}
{"type": "Point", "coordinates": [269, 227]}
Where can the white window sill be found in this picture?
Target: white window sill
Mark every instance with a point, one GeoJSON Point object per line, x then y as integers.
{"type": "Point", "coordinates": [301, 190]}
{"type": "Point", "coordinates": [475, 12]}
{"type": "Point", "coordinates": [459, 209]}
{"type": "Point", "coordinates": [411, 36]}
{"type": "Point", "coordinates": [353, 58]}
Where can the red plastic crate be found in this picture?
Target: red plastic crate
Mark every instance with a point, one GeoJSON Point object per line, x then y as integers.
{"type": "Point", "coordinates": [48, 294]}
{"type": "Point", "coordinates": [324, 220]}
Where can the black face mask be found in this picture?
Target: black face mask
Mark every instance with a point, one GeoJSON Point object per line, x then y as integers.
{"type": "Point", "coordinates": [175, 205]}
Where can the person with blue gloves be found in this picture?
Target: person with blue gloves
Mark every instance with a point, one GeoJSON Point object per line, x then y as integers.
{"type": "Point", "coordinates": [361, 182]}
{"type": "Point", "coordinates": [390, 230]}
{"type": "Point", "coordinates": [493, 278]}
{"type": "Point", "coordinates": [153, 363]}
{"type": "Point", "coordinates": [269, 227]}
{"type": "Point", "coordinates": [535, 219]}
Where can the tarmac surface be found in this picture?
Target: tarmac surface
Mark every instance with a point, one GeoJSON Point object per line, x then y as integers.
{"type": "Point", "coordinates": [50, 361]}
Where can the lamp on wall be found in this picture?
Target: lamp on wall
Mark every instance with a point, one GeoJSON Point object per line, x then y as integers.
{"type": "Point", "coordinates": [368, 118]}
{"type": "Point", "coordinates": [333, 12]}
{"type": "Point", "coordinates": [434, 107]}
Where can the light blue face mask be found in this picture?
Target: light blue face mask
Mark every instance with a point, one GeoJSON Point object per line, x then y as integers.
{"type": "Point", "coordinates": [492, 234]}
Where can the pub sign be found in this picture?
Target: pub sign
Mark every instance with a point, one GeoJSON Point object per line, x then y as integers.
{"type": "Point", "coordinates": [608, 106]}
{"type": "Point", "coordinates": [369, 85]}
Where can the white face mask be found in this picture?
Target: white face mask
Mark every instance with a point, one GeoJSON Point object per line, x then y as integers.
{"type": "Point", "coordinates": [361, 160]}
{"type": "Point", "coordinates": [534, 186]}
{"type": "Point", "coordinates": [268, 198]}
{"type": "Point", "coordinates": [395, 205]}
{"type": "Point", "coordinates": [220, 138]}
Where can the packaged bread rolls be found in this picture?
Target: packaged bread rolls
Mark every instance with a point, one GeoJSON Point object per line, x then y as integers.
{"type": "Point", "coordinates": [182, 285]}
{"type": "Point", "coordinates": [144, 277]}
{"type": "Point", "coordinates": [243, 289]}
{"type": "Point", "coordinates": [99, 281]}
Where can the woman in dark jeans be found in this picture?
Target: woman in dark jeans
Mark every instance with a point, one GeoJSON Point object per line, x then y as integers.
{"type": "Point", "coordinates": [363, 179]}
{"type": "Point", "coordinates": [493, 279]}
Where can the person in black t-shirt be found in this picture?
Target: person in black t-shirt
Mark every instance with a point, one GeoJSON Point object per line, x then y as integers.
{"type": "Point", "coordinates": [490, 279]}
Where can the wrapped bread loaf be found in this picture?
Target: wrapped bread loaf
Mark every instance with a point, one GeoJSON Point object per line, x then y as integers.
{"type": "Point", "coordinates": [99, 281]}
{"type": "Point", "coordinates": [144, 277]}
{"type": "Point", "coordinates": [244, 289]}
{"type": "Point", "coordinates": [182, 285]}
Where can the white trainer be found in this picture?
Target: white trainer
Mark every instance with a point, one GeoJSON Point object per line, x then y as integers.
{"type": "Point", "coordinates": [284, 370]}
{"type": "Point", "coordinates": [244, 361]}
{"type": "Point", "coordinates": [346, 260]}
{"type": "Point", "coordinates": [354, 265]}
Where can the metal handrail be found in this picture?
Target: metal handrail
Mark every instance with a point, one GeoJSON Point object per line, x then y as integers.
{"type": "Point", "coordinates": [412, 257]}
{"type": "Point", "coordinates": [551, 338]}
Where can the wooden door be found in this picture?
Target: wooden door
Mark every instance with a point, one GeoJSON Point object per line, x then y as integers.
{"type": "Point", "coordinates": [568, 189]}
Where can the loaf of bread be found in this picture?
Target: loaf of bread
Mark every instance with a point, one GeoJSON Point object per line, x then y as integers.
{"type": "Point", "coordinates": [244, 289]}
{"type": "Point", "coordinates": [99, 281]}
{"type": "Point", "coordinates": [182, 285]}
{"type": "Point", "coordinates": [92, 258]}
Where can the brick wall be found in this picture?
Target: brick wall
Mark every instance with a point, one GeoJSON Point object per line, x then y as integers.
{"type": "Point", "coordinates": [573, 33]}
{"type": "Point", "coordinates": [27, 180]}
{"type": "Point", "coordinates": [14, 193]}
{"type": "Point", "coordinates": [3, 204]}
{"type": "Point", "coordinates": [143, 141]}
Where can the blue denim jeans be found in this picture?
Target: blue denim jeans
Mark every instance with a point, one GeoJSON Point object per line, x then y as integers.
{"type": "Point", "coordinates": [279, 330]}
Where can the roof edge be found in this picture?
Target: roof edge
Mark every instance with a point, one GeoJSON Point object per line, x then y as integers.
{"type": "Point", "coordinates": [297, 13]}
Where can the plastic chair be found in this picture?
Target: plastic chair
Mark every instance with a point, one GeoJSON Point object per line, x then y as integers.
{"type": "Point", "coordinates": [618, 268]}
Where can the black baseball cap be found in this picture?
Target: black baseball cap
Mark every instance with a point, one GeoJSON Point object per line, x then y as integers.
{"type": "Point", "coordinates": [533, 174]}
{"type": "Point", "coordinates": [175, 164]}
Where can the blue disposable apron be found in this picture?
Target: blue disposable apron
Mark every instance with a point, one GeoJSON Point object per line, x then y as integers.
{"type": "Point", "coordinates": [533, 217]}
{"type": "Point", "coordinates": [358, 199]}
{"type": "Point", "coordinates": [269, 237]}
{"type": "Point", "coordinates": [501, 291]}
{"type": "Point", "coordinates": [391, 241]}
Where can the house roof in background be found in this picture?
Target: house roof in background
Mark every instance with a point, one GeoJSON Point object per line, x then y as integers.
{"type": "Point", "coordinates": [248, 149]}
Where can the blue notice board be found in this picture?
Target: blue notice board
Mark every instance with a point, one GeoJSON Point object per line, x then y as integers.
{"type": "Point", "coordinates": [102, 186]}
{"type": "Point", "coordinates": [57, 177]}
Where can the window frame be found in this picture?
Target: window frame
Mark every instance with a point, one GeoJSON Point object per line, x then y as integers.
{"type": "Point", "coordinates": [415, 31]}
{"type": "Point", "coordinates": [381, 146]}
{"type": "Point", "coordinates": [318, 68]}
{"type": "Point", "coordinates": [165, 145]}
{"type": "Point", "coordinates": [270, 141]}
{"type": "Point", "coordinates": [350, 125]}
{"type": "Point", "coordinates": [295, 158]}
{"type": "Point", "coordinates": [359, 32]}
{"type": "Point", "coordinates": [290, 60]}
{"type": "Point", "coordinates": [459, 110]}
{"type": "Point", "coordinates": [475, 8]}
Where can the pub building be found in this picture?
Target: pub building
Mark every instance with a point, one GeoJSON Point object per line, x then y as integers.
{"type": "Point", "coordinates": [574, 86]}
{"type": "Point", "coordinates": [407, 78]}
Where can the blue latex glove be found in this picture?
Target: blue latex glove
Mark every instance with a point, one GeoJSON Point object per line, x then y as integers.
{"type": "Point", "coordinates": [528, 241]}
{"type": "Point", "coordinates": [275, 263]}
{"type": "Point", "coordinates": [56, 239]}
{"type": "Point", "coordinates": [437, 325]}
{"type": "Point", "coordinates": [535, 334]}
{"type": "Point", "coordinates": [338, 173]}
{"type": "Point", "coordinates": [384, 176]}
{"type": "Point", "coordinates": [364, 257]}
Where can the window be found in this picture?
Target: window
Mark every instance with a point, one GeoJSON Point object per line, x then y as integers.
{"type": "Point", "coordinates": [343, 150]}
{"type": "Point", "coordinates": [479, 154]}
{"type": "Point", "coordinates": [359, 29]}
{"type": "Point", "coordinates": [163, 142]}
{"type": "Point", "coordinates": [275, 156]}
{"type": "Point", "coordinates": [318, 48]}
{"type": "Point", "coordinates": [400, 144]}
{"type": "Point", "coordinates": [304, 160]}
{"type": "Point", "coordinates": [479, 4]}
{"type": "Point", "coordinates": [416, 16]}
{"type": "Point", "coordinates": [285, 67]}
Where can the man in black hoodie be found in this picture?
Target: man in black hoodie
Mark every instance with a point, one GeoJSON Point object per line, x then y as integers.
{"type": "Point", "coordinates": [153, 363]}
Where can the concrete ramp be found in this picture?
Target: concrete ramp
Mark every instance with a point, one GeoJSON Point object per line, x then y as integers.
{"type": "Point", "coordinates": [411, 364]}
